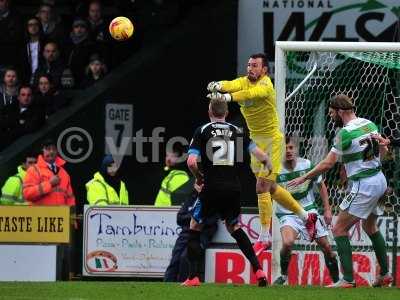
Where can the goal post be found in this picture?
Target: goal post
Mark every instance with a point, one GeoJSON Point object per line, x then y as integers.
{"type": "Point", "coordinates": [307, 75]}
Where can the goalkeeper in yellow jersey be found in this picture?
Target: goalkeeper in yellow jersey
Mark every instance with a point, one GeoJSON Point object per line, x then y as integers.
{"type": "Point", "coordinates": [256, 97]}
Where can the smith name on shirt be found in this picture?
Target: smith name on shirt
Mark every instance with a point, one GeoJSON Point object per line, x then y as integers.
{"type": "Point", "coordinates": [221, 129]}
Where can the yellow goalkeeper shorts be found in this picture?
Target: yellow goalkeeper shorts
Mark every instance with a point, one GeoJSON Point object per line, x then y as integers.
{"type": "Point", "coordinates": [274, 146]}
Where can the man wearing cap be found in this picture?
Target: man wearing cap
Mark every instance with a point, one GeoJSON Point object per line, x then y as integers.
{"type": "Point", "coordinates": [359, 146]}
{"type": "Point", "coordinates": [177, 185]}
{"type": "Point", "coordinates": [95, 71]}
{"type": "Point", "coordinates": [106, 187]}
{"type": "Point", "coordinates": [79, 49]}
{"type": "Point", "coordinates": [47, 182]}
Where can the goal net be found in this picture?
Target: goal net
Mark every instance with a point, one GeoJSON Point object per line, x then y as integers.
{"type": "Point", "coordinates": [307, 75]}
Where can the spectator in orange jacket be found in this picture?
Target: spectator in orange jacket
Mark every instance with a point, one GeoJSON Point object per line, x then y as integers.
{"type": "Point", "coordinates": [47, 182]}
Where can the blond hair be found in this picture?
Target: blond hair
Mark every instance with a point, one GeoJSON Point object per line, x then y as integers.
{"type": "Point", "coordinates": [219, 108]}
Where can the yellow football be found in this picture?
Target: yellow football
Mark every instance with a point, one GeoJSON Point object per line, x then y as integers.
{"type": "Point", "coordinates": [121, 28]}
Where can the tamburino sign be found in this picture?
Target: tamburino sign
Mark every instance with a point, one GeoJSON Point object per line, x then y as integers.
{"type": "Point", "coordinates": [34, 224]}
{"type": "Point", "coordinates": [128, 241]}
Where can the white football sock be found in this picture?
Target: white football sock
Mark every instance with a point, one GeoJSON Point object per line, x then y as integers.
{"type": "Point", "coordinates": [264, 234]}
{"type": "Point", "coordinates": [303, 215]}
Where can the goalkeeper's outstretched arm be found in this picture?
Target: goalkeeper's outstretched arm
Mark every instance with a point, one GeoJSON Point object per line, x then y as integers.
{"type": "Point", "coordinates": [225, 86]}
{"type": "Point", "coordinates": [255, 93]}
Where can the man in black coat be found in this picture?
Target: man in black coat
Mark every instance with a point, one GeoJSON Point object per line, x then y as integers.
{"type": "Point", "coordinates": [177, 270]}
{"type": "Point", "coordinates": [11, 35]}
{"type": "Point", "coordinates": [51, 64]}
{"type": "Point", "coordinates": [20, 118]}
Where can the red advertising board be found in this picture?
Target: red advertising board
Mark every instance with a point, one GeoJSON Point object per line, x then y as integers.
{"type": "Point", "coordinates": [305, 268]}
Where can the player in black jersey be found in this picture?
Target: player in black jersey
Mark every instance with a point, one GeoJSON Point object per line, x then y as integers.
{"type": "Point", "coordinates": [221, 147]}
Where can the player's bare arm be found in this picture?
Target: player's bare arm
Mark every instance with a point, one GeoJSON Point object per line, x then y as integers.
{"type": "Point", "coordinates": [194, 168]}
{"type": "Point", "coordinates": [322, 167]}
{"type": "Point", "coordinates": [323, 192]}
{"type": "Point", "coordinates": [383, 143]}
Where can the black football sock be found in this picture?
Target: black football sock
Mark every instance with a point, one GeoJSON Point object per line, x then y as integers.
{"type": "Point", "coordinates": [284, 261]}
{"type": "Point", "coordinates": [245, 245]}
{"type": "Point", "coordinates": [333, 267]}
{"type": "Point", "coordinates": [194, 253]}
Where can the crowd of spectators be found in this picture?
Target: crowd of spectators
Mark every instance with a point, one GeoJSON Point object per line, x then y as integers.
{"type": "Point", "coordinates": [54, 50]}
{"type": "Point", "coordinates": [41, 55]}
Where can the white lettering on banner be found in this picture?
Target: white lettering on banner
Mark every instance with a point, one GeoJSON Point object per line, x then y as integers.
{"type": "Point", "coordinates": [230, 266]}
{"type": "Point", "coordinates": [297, 4]}
{"type": "Point", "coordinates": [262, 22]}
{"type": "Point", "coordinates": [305, 267]}
{"type": "Point", "coordinates": [128, 241]}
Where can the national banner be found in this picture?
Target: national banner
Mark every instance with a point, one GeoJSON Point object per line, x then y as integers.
{"type": "Point", "coordinates": [262, 22]}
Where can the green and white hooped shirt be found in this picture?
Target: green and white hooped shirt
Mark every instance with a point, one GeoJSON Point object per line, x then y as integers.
{"type": "Point", "coordinates": [357, 150]}
{"type": "Point", "coordinates": [303, 193]}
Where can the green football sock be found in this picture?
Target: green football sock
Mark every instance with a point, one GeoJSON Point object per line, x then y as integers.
{"type": "Point", "coordinates": [344, 251]}
{"type": "Point", "coordinates": [379, 245]}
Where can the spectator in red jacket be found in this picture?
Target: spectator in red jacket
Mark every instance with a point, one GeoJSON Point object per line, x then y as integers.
{"type": "Point", "coordinates": [47, 182]}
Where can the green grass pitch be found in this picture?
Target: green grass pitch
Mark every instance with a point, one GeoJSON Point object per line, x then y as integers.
{"type": "Point", "coordinates": [109, 290]}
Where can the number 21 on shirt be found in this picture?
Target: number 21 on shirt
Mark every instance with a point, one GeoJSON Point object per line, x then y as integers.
{"type": "Point", "coordinates": [223, 152]}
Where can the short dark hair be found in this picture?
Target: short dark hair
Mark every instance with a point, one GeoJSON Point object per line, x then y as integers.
{"type": "Point", "coordinates": [178, 149]}
{"type": "Point", "coordinates": [24, 86]}
{"type": "Point", "coordinates": [8, 68]}
{"type": "Point", "coordinates": [290, 139]}
{"type": "Point", "coordinates": [98, 2]}
{"type": "Point", "coordinates": [28, 154]}
{"type": "Point", "coordinates": [45, 75]}
{"type": "Point", "coordinates": [53, 43]}
{"type": "Point", "coordinates": [262, 56]}
{"type": "Point", "coordinates": [341, 101]}
{"type": "Point", "coordinates": [219, 108]}
{"type": "Point", "coordinates": [48, 142]}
